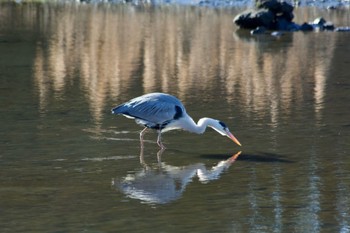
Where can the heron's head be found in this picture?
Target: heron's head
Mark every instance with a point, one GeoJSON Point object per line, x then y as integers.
{"type": "Point", "coordinates": [222, 129]}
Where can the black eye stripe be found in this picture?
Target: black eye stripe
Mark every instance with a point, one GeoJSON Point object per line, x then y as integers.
{"type": "Point", "coordinates": [222, 124]}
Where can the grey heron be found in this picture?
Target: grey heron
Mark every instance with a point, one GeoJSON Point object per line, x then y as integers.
{"type": "Point", "coordinates": [164, 112]}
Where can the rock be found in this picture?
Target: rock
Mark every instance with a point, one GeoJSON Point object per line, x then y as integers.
{"type": "Point", "coordinates": [282, 24]}
{"type": "Point", "coordinates": [328, 26]}
{"type": "Point", "coordinates": [277, 34]}
{"type": "Point", "coordinates": [332, 7]}
{"type": "Point", "coordinates": [319, 21]}
{"type": "Point", "coordinates": [286, 15]}
{"type": "Point", "coordinates": [278, 15]}
{"type": "Point", "coordinates": [252, 19]}
{"type": "Point", "coordinates": [306, 27]}
{"type": "Point", "coordinates": [275, 6]}
{"type": "Point", "coordinates": [342, 29]}
{"type": "Point", "coordinates": [258, 30]}
{"type": "Point", "coordinates": [293, 27]}
{"type": "Point", "coordinates": [270, 14]}
{"type": "Point", "coordinates": [286, 7]}
{"type": "Point", "coordinates": [320, 24]}
{"type": "Point", "coordinates": [285, 25]}
{"type": "Point", "coordinates": [272, 5]}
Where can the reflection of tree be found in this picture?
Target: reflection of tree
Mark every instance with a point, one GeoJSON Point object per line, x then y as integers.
{"type": "Point", "coordinates": [164, 183]}
{"type": "Point", "coordinates": [116, 51]}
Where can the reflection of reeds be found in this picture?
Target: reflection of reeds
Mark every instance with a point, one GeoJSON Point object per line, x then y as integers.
{"type": "Point", "coordinates": [115, 50]}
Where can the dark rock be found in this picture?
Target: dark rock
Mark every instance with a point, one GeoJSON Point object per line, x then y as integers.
{"type": "Point", "coordinates": [306, 27]}
{"type": "Point", "coordinates": [287, 16]}
{"type": "Point", "coordinates": [328, 26]}
{"type": "Point", "coordinates": [278, 15]}
{"type": "Point", "coordinates": [275, 6]}
{"type": "Point", "coordinates": [282, 24]}
{"type": "Point", "coordinates": [319, 21]}
{"type": "Point", "coordinates": [286, 7]}
{"type": "Point", "coordinates": [292, 27]}
{"type": "Point", "coordinates": [258, 30]}
{"type": "Point", "coordinates": [252, 19]}
{"type": "Point", "coordinates": [270, 14]}
{"type": "Point", "coordinates": [285, 25]}
{"type": "Point", "coordinates": [332, 7]}
{"type": "Point", "coordinates": [272, 5]}
{"type": "Point", "coordinates": [277, 34]}
{"type": "Point", "coordinates": [320, 24]}
{"type": "Point", "coordinates": [342, 29]}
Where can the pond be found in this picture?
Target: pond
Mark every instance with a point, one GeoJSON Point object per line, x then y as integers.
{"type": "Point", "coordinates": [68, 165]}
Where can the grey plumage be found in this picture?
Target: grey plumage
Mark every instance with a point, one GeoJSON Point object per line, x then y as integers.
{"type": "Point", "coordinates": [154, 110]}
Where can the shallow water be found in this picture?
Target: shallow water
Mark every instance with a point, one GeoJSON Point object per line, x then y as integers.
{"type": "Point", "coordinates": [68, 165]}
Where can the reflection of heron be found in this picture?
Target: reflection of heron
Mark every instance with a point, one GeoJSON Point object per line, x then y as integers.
{"type": "Point", "coordinates": [165, 183]}
{"type": "Point", "coordinates": [164, 112]}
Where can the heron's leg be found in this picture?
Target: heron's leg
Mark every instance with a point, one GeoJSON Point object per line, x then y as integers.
{"type": "Point", "coordinates": [142, 133]}
{"type": "Point", "coordinates": [142, 159]}
{"type": "Point", "coordinates": [159, 140]}
{"type": "Point", "coordinates": [159, 155]}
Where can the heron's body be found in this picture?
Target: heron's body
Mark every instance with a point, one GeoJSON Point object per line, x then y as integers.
{"type": "Point", "coordinates": [165, 112]}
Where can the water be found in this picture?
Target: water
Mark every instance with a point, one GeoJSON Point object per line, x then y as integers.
{"type": "Point", "coordinates": [68, 165]}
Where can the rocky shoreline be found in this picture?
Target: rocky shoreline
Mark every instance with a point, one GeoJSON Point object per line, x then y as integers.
{"type": "Point", "coordinates": [274, 15]}
{"type": "Point", "coordinates": [329, 4]}
{"type": "Point", "coordinates": [263, 16]}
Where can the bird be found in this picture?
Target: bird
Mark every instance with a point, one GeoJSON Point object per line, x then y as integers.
{"type": "Point", "coordinates": [164, 112]}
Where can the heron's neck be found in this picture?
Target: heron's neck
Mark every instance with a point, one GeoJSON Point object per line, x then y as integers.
{"type": "Point", "coordinates": [201, 126]}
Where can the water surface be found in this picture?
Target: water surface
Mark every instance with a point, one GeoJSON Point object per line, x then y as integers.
{"type": "Point", "coordinates": [68, 165]}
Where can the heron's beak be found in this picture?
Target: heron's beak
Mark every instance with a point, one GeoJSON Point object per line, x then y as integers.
{"type": "Point", "coordinates": [233, 138]}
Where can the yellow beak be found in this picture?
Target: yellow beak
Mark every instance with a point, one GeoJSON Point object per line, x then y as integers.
{"type": "Point", "coordinates": [233, 138]}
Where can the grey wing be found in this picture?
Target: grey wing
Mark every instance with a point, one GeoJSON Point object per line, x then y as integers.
{"type": "Point", "coordinates": [154, 109]}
